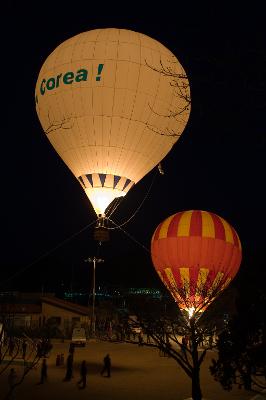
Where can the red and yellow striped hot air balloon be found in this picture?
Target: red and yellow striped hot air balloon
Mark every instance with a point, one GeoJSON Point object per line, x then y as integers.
{"type": "Point", "coordinates": [196, 254]}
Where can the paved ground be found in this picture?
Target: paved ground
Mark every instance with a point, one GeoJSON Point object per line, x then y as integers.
{"type": "Point", "coordinates": [137, 373]}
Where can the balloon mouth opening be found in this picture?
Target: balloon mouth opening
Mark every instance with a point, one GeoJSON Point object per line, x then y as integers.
{"type": "Point", "coordinates": [101, 198]}
{"type": "Point", "coordinates": [191, 311]}
{"type": "Point", "coordinates": [102, 189]}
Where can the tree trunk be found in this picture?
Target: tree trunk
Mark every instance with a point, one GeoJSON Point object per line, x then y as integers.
{"type": "Point", "coordinates": [196, 391]}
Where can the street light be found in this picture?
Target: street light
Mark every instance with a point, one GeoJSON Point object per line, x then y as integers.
{"type": "Point", "coordinates": [93, 260]}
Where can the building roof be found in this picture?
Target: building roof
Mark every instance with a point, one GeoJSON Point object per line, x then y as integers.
{"type": "Point", "coordinates": [67, 305]}
{"type": "Point", "coordinates": [33, 304]}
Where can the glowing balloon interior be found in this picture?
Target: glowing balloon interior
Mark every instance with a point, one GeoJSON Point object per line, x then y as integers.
{"type": "Point", "coordinates": [196, 254]}
{"type": "Point", "coordinates": [109, 111]}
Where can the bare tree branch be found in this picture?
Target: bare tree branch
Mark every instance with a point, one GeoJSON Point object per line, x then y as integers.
{"type": "Point", "coordinates": [65, 123]}
{"type": "Point", "coordinates": [182, 91]}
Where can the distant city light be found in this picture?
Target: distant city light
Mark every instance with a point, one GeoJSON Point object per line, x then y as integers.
{"type": "Point", "coordinates": [112, 293]}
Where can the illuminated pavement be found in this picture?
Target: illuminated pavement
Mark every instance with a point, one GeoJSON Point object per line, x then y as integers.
{"type": "Point", "coordinates": [137, 373]}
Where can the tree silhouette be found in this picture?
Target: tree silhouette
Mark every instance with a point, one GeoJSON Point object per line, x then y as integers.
{"type": "Point", "coordinates": [179, 334]}
{"type": "Point", "coordinates": [242, 346]}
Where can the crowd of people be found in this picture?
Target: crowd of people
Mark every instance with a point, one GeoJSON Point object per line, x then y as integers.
{"type": "Point", "coordinates": [43, 347]}
{"type": "Point", "coordinates": [82, 383]}
{"type": "Point", "coordinates": [22, 348]}
{"type": "Point", "coordinates": [83, 370]}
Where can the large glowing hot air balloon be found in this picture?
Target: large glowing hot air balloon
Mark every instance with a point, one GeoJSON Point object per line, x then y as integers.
{"type": "Point", "coordinates": [110, 109]}
{"type": "Point", "coordinates": [196, 254]}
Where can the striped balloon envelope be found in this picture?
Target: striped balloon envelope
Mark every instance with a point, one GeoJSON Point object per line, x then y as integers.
{"type": "Point", "coordinates": [196, 254]}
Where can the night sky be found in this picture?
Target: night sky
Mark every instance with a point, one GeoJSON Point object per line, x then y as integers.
{"type": "Point", "coordinates": [218, 164]}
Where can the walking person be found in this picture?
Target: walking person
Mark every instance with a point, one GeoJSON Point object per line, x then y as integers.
{"type": "Point", "coordinates": [83, 375]}
{"type": "Point", "coordinates": [71, 349]}
{"type": "Point", "coordinates": [106, 366]}
{"type": "Point", "coordinates": [12, 379]}
{"type": "Point", "coordinates": [69, 370]}
{"type": "Point", "coordinates": [43, 372]}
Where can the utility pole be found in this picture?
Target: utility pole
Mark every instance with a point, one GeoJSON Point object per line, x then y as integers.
{"type": "Point", "coordinates": [93, 260]}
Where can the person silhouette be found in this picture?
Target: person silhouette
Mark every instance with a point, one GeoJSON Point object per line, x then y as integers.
{"type": "Point", "coordinates": [43, 372]}
{"type": "Point", "coordinates": [69, 368]}
{"type": "Point", "coordinates": [83, 375]}
{"type": "Point", "coordinates": [106, 366]}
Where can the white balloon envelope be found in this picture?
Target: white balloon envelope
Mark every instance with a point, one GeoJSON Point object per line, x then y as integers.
{"type": "Point", "coordinates": [109, 109]}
